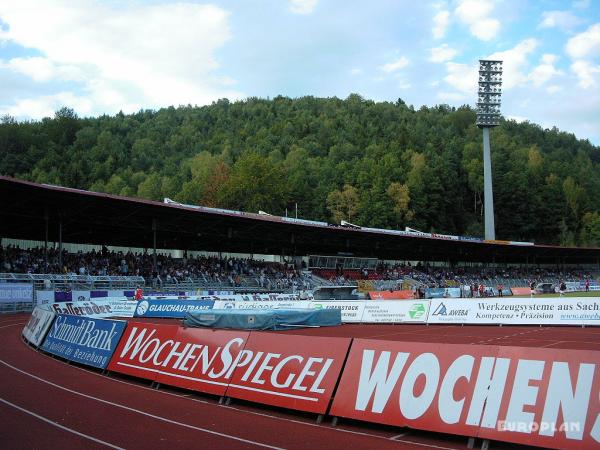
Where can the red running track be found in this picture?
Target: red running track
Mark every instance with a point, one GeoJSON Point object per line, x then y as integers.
{"type": "Point", "coordinates": [47, 403]}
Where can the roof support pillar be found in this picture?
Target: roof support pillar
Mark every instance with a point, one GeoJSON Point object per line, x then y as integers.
{"type": "Point", "coordinates": [154, 244]}
{"type": "Point", "coordinates": [60, 265]}
{"type": "Point", "coordinates": [46, 219]}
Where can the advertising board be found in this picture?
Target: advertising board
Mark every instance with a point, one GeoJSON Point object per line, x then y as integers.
{"type": "Point", "coordinates": [543, 397]}
{"type": "Point", "coordinates": [395, 311]}
{"type": "Point", "coordinates": [352, 311]}
{"type": "Point", "coordinates": [291, 371]}
{"type": "Point", "coordinates": [36, 328]}
{"type": "Point", "coordinates": [170, 308]}
{"type": "Point", "coordinates": [16, 292]}
{"type": "Point", "coordinates": [404, 294]}
{"type": "Point", "coordinates": [99, 308]}
{"type": "Point", "coordinates": [193, 358]}
{"type": "Point", "coordinates": [517, 311]}
{"type": "Point", "coordinates": [225, 304]}
{"type": "Point", "coordinates": [258, 297]}
{"type": "Point", "coordinates": [84, 340]}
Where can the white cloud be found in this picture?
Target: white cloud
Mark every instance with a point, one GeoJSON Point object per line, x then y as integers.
{"type": "Point", "coordinates": [565, 20]}
{"type": "Point", "coordinates": [514, 62]}
{"type": "Point", "coordinates": [463, 78]}
{"type": "Point", "coordinates": [440, 24]}
{"type": "Point", "coordinates": [46, 105]}
{"type": "Point", "coordinates": [303, 6]}
{"type": "Point", "coordinates": [394, 66]}
{"type": "Point", "coordinates": [587, 73]}
{"type": "Point", "coordinates": [356, 71]}
{"type": "Point", "coordinates": [545, 71]}
{"type": "Point", "coordinates": [586, 43]}
{"type": "Point", "coordinates": [476, 15]}
{"type": "Point", "coordinates": [442, 53]}
{"type": "Point", "coordinates": [150, 55]}
{"type": "Point", "coordinates": [42, 69]}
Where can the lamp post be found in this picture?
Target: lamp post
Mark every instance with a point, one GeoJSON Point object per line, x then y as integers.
{"type": "Point", "coordinates": [488, 116]}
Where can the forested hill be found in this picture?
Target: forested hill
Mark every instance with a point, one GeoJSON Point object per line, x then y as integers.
{"type": "Point", "coordinates": [383, 165]}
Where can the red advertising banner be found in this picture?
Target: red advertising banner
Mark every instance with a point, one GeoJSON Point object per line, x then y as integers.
{"type": "Point", "coordinates": [208, 361]}
{"type": "Point", "coordinates": [296, 372]}
{"type": "Point", "coordinates": [138, 346]}
{"type": "Point", "coordinates": [530, 396]}
{"type": "Point", "coordinates": [551, 399]}
{"type": "Point", "coordinates": [392, 295]}
{"type": "Point", "coordinates": [192, 358]}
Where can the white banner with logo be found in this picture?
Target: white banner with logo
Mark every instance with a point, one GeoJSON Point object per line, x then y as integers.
{"type": "Point", "coordinates": [387, 311]}
{"type": "Point", "coordinates": [38, 325]}
{"type": "Point", "coordinates": [16, 292]}
{"type": "Point", "coordinates": [395, 311]}
{"type": "Point", "coordinates": [98, 308]}
{"type": "Point", "coordinates": [44, 297]}
{"type": "Point", "coordinates": [352, 311]}
{"type": "Point", "coordinates": [521, 311]}
{"type": "Point", "coordinates": [266, 297]}
{"type": "Point", "coordinates": [225, 304]}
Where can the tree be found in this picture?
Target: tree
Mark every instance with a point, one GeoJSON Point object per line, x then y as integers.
{"type": "Point", "coordinates": [343, 204]}
{"type": "Point", "coordinates": [590, 230]}
{"type": "Point", "coordinates": [255, 183]}
{"type": "Point", "coordinates": [420, 167]}
{"type": "Point", "coordinates": [400, 196]}
{"type": "Point", "coordinates": [151, 187]}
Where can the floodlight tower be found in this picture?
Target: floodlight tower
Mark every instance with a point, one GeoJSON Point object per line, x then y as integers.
{"type": "Point", "coordinates": [488, 116]}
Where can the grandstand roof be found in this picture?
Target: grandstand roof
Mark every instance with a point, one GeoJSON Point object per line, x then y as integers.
{"type": "Point", "coordinates": [96, 218]}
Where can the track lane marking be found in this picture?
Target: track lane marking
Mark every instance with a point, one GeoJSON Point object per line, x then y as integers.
{"type": "Point", "coordinates": [398, 436]}
{"type": "Point", "coordinates": [51, 422]}
{"type": "Point", "coordinates": [13, 324]}
{"type": "Point", "coordinates": [127, 408]}
{"type": "Point", "coordinates": [194, 398]}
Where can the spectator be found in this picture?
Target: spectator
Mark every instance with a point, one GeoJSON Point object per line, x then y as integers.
{"type": "Point", "coordinates": [562, 288]}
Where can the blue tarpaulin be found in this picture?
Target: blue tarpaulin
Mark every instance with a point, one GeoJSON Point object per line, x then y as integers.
{"type": "Point", "coordinates": [276, 319]}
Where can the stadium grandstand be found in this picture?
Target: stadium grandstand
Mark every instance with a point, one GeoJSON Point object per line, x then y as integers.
{"type": "Point", "coordinates": [62, 238]}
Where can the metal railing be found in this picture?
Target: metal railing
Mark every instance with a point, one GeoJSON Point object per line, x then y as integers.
{"type": "Point", "coordinates": [73, 282]}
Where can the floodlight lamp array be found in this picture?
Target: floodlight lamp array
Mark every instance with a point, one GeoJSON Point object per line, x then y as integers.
{"type": "Point", "coordinates": [489, 93]}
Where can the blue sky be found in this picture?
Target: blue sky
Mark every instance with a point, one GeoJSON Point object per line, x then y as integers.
{"type": "Point", "coordinates": [101, 57]}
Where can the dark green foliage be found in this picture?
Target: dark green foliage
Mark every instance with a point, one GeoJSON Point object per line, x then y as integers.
{"type": "Point", "coordinates": [399, 166]}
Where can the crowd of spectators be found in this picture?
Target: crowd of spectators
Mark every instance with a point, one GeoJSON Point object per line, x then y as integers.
{"type": "Point", "coordinates": [424, 274]}
{"type": "Point", "coordinates": [240, 272]}
{"type": "Point", "coordinates": [234, 272]}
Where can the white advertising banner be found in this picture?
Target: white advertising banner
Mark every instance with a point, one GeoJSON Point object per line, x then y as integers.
{"type": "Point", "coordinates": [389, 311]}
{"type": "Point", "coordinates": [81, 296]}
{"type": "Point", "coordinates": [16, 292]}
{"type": "Point", "coordinates": [267, 297]}
{"type": "Point", "coordinates": [225, 304]}
{"type": "Point", "coordinates": [521, 311]}
{"type": "Point", "coordinates": [352, 311]}
{"type": "Point", "coordinates": [44, 297]}
{"type": "Point", "coordinates": [98, 308]}
{"type": "Point", "coordinates": [38, 325]}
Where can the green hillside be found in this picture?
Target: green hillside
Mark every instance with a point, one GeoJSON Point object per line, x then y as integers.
{"type": "Point", "coordinates": [382, 164]}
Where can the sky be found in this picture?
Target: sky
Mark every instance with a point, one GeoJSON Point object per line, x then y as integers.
{"type": "Point", "coordinates": [102, 57]}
